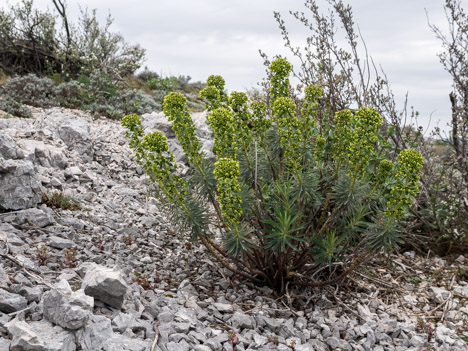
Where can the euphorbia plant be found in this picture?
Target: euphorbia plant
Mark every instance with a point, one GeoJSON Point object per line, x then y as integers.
{"type": "Point", "coordinates": [292, 203]}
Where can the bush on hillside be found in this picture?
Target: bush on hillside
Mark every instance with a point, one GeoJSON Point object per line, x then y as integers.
{"type": "Point", "coordinates": [31, 90]}
{"type": "Point", "coordinates": [96, 94]}
{"type": "Point", "coordinates": [13, 107]}
{"type": "Point", "coordinates": [42, 43]}
{"type": "Point", "coordinates": [291, 198]}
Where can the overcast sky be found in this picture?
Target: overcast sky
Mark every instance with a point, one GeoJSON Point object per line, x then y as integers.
{"type": "Point", "coordinates": [203, 37]}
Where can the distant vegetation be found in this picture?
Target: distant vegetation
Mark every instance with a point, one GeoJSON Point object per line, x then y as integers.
{"type": "Point", "coordinates": [46, 60]}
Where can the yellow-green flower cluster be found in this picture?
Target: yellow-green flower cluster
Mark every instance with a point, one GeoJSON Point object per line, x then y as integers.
{"type": "Point", "coordinates": [135, 130]}
{"type": "Point", "coordinates": [238, 104]}
{"type": "Point", "coordinates": [289, 129]}
{"type": "Point", "coordinates": [216, 81]}
{"type": "Point", "coordinates": [222, 123]}
{"type": "Point", "coordinates": [152, 154]}
{"type": "Point", "coordinates": [211, 96]}
{"type": "Point", "coordinates": [175, 108]}
{"type": "Point", "coordinates": [279, 73]}
{"type": "Point", "coordinates": [312, 93]}
{"type": "Point", "coordinates": [160, 166]}
{"type": "Point", "coordinates": [227, 176]}
{"type": "Point", "coordinates": [155, 142]}
{"type": "Point", "coordinates": [309, 109]}
{"type": "Point", "coordinates": [384, 170]}
{"type": "Point", "coordinates": [260, 124]}
{"type": "Point", "coordinates": [320, 142]}
{"type": "Point", "coordinates": [355, 137]}
{"type": "Point", "coordinates": [345, 137]}
{"type": "Point", "coordinates": [408, 173]}
{"type": "Point", "coordinates": [174, 103]}
{"type": "Point", "coordinates": [367, 120]}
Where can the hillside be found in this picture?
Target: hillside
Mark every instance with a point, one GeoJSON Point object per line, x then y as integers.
{"type": "Point", "coordinates": [89, 262]}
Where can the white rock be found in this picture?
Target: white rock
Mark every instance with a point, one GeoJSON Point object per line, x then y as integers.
{"type": "Point", "coordinates": [11, 302]}
{"type": "Point", "coordinates": [439, 294]}
{"type": "Point", "coordinates": [96, 333]}
{"type": "Point", "coordinates": [39, 336]}
{"type": "Point", "coordinates": [66, 308]}
{"type": "Point", "coordinates": [106, 285]}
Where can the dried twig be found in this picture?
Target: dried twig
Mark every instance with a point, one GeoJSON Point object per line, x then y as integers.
{"type": "Point", "coordinates": [381, 282]}
{"type": "Point", "coordinates": [156, 336]}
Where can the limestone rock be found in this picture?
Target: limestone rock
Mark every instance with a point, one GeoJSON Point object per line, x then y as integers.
{"type": "Point", "coordinates": [439, 294]}
{"type": "Point", "coordinates": [157, 121]}
{"type": "Point", "coordinates": [241, 320]}
{"type": "Point", "coordinates": [18, 186]}
{"type": "Point", "coordinates": [60, 243]}
{"type": "Point", "coordinates": [4, 279]}
{"type": "Point", "coordinates": [122, 343]}
{"type": "Point", "coordinates": [30, 293]}
{"type": "Point", "coordinates": [95, 334]}
{"type": "Point", "coordinates": [38, 217]}
{"type": "Point", "coordinates": [11, 302]}
{"type": "Point", "coordinates": [5, 344]}
{"type": "Point", "coordinates": [71, 129]}
{"type": "Point", "coordinates": [39, 336]}
{"type": "Point", "coordinates": [43, 154]}
{"type": "Point", "coordinates": [106, 285]}
{"type": "Point", "coordinates": [66, 308]}
{"type": "Point", "coordinates": [9, 149]}
{"type": "Point", "coordinates": [122, 321]}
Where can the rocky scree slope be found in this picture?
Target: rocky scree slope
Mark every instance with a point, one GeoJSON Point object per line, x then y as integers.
{"type": "Point", "coordinates": [111, 274]}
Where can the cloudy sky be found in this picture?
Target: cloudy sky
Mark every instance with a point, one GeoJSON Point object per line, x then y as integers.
{"type": "Point", "coordinates": [203, 37]}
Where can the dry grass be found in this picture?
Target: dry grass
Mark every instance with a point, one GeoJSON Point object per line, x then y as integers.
{"type": "Point", "coordinates": [60, 200]}
{"type": "Point", "coordinates": [3, 78]}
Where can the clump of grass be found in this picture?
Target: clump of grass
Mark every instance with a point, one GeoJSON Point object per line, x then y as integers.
{"type": "Point", "coordinates": [60, 200]}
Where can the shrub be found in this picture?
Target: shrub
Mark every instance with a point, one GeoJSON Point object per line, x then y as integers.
{"type": "Point", "coordinates": [134, 101]}
{"type": "Point", "coordinates": [291, 201]}
{"type": "Point", "coordinates": [34, 42]}
{"type": "Point", "coordinates": [70, 94]}
{"type": "Point", "coordinates": [99, 87]}
{"type": "Point", "coordinates": [441, 214]}
{"type": "Point", "coordinates": [336, 58]}
{"type": "Point", "coordinates": [31, 90]}
{"type": "Point", "coordinates": [147, 75]}
{"type": "Point", "coordinates": [445, 204]}
{"type": "Point", "coordinates": [13, 107]}
{"type": "Point", "coordinates": [95, 93]}
{"type": "Point", "coordinates": [167, 84]}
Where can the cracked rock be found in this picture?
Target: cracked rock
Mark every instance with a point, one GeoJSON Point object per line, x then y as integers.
{"type": "Point", "coordinates": [66, 308]}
